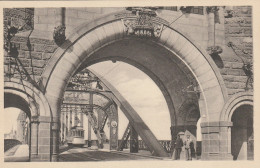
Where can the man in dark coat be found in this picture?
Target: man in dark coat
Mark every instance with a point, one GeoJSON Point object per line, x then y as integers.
{"type": "Point", "coordinates": [178, 147]}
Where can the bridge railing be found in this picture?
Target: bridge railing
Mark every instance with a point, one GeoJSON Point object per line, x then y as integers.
{"type": "Point", "coordinates": [167, 145]}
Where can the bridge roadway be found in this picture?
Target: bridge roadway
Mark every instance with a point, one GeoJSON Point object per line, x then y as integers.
{"type": "Point", "coordinates": [85, 154]}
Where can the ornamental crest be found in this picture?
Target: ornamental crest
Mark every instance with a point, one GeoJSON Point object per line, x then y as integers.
{"type": "Point", "coordinates": [143, 24]}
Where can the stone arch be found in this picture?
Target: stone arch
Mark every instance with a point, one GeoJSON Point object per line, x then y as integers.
{"type": "Point", "coordinates": [33, 103]}
{"type": "Point", "coordinates": [239, 99]}
{"type": "Point", "coordinates": [92, 36]}
{"type": "Point", "coordinates": [35, 99]}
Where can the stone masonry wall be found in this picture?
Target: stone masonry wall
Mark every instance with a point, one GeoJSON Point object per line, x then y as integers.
{"type": "Point", "coordinates": [238, 30]}
{"type": "Point", "coordinates": [32, 53]}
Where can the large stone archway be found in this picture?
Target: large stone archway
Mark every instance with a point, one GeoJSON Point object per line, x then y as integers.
{"type": "Point", "coordinates": [92, 37]}
{"type": "Point", "coordinates": [23, 95]}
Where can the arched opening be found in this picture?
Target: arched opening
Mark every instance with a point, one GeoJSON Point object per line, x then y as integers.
{"type": "Point", "coordinates": [17, 140]}
{"type": "Point", "coordinates": [171, 60]}
{"type": "Point", "coordinates": [242, 135]}
{"type": "Point", "coordinates": [189, 117]}
{"type": "Point", "coordinates": [17, 125]}
{"type": "Point", "coordinates": [24, 96]}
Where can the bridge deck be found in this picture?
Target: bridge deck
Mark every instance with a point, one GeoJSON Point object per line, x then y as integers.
{"type": "Point", "coordinates": [85, 154]}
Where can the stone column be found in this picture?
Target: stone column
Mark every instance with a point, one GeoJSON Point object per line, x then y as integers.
{"type": "Point", "coordinates": [211, 29]}
{"type": "Point", "coordinates": [66, 125]}
{"type": "Point", "coordinates": [81, 119]}
{"type": "Point", "coordinates": [55, 139]}
{"type": "Point", "coordinates": [70, 120]}
{"type": "Point", "coordinates": [62, 127]}
{"type": "Point", "coordinates": [89, 133]}
{"type": "Point", "coordinates": [215, 140]}
{"type": "Point", "coordinates": [41, 139]}
{"type": "Point", "coordinates": [34, 137]}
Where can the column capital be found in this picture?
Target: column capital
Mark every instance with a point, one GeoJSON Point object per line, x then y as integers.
{"type": "Point", "coordinates": [214, 127]}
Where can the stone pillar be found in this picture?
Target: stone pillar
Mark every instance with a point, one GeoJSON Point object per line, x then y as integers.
{"type": "Point", "coordinates": [41, 139]}
{"type": "Point", "coordinates": [70, 120]}
{"type": "Point", "coordinates": [45, 20]}
{"type": "Point", "coordinates": [34, 137]}
{"type": "Point", "coordinates": [81, 119]}
{"type": "Point", "coordinates": [55, 139]}
{"type": "Point", "coordinates": [66, 125]}
{"type": "Point", "coordinates": [215, 140]}
{"type": "Point", "coordinates": [211, 29]}
{"type": "Point", "coordinates": [62, 127]}
{"type": "Point", "coordinates": [89, 133]}
{"type": "Point", "coordinates": [133, 141]}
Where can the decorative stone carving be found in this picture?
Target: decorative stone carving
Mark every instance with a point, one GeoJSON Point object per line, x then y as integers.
{"type": "Point", "coordinates": [214, 50]}
{"type": "Point", "coordinates": [142, 23]}
{"type": "Point", "coordinates": [59, 34]}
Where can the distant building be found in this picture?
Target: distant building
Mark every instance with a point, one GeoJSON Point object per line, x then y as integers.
{"type": "Point", "coordinates": [11, 135]}
{"type": "Point", "coordinates": [22, 127]}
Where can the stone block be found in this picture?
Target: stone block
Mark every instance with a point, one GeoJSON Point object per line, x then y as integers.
{"type": "Point", "coordinates": [41, 27]}
{"type": "Point", "coordinates": [72, 13]}
{"type": "Point", "coordinates": [37, 71]}
{"type": "Point", "coordinates": [24, 46]}
{"type": "Point", "coordinates": [237, 65]}
{"type": "Point", "coordinates": [50, 48]}
{"type": "Point", "coordinates": [39, 47]}
{"type": "Point", "coordinates": [224, 71]}
{"type": "Point", "coordinates": [44, 133]}
{"type": "Point", "coordinates": [38, 63]}
{"type": "Point", "coordinates": [44, 149]}
{"type": "Point", "coordinates": [42, 41]}
{"type": "Point", "coordinates": [47, 19]}
{"type": "Point", "coordinates": [44, 141]}
{"type": "Point", "coordinates": [52, 11]}
{"type": "Point", "coordinates": [234, 91]}
{"type": "Point", "coordinates": [29, 69]}
{"type": "Point", "coordinates": [214, 149]}
{"type": "Point", "coordinates": [223, 143]}
{"type": "Point", "coordinates": [227, 64]}
{"type": "Point", "coordinates": [40, 11]}
{"type": "Point", "coordinates": [46, 56]}
{"type": "Point", "coordinates": [35, 55]}
{"type": "Point", "coordinates": [23, 54]}
{"type": "Point", "coordinates": [235, 72]}
{"type": "Point", "coordinates": [95, 10]}
{"type": "Point", "coordinates": [223, 148]}
{"type": "Point", "coordinates": [213, 136]}
{"type": "Point", "coordinates": [44, 126]}
{"type": "Point", "coordinates": [25, 62]}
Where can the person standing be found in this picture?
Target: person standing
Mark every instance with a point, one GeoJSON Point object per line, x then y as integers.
{"type": "Point", "coordinates": [178, 147]}
{"type": "Point", "coordinates": [187, 144]}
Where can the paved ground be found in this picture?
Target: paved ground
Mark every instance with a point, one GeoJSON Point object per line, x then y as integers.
{"type": "Point", "coordinates": [85, 154]}
{"type": "Point", "coordinates": [18, 153]}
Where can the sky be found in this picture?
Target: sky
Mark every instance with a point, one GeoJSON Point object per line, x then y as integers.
{"type": "Point", "coordinates": [10, 118]}
{"type": "Point", "coordinates": [141, 92]}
